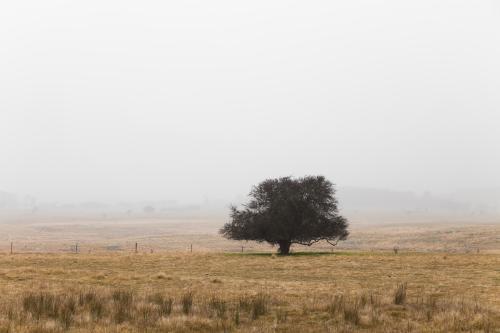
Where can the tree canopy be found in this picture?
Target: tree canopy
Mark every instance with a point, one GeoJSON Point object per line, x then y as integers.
{"type": "Point", "coordinates": [287, 211]}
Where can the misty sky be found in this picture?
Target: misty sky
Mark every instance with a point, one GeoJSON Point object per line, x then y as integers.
{"type": "Point", "coordinates": [132, 100]}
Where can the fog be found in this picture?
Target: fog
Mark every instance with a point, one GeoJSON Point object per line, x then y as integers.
{"type": "Point", "coordinates": [189, 100]}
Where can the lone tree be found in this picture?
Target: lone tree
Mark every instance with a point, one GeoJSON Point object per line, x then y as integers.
{"type": "Point", "coordinates": [288, 211]}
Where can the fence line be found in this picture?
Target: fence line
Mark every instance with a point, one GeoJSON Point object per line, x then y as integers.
{"type": "Point", "coordinates": [133, 247]}
{"type": "Point", "coordinates": [77, 248]}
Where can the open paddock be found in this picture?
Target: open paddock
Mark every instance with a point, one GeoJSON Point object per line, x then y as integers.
{"type": "Point", "coordinates": [261, 292]}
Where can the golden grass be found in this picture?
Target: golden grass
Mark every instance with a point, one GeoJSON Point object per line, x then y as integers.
{"type": "Point", "coordinates": [42, 233]}
{"type": "Point", "coordinates": [210, 292]}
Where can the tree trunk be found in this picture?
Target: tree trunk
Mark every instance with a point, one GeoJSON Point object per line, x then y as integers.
{"type": "Point", "coordinates": [284, 247]}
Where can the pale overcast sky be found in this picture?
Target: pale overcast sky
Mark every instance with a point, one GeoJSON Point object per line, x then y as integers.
{"type": "Point", "coordinates": [130, 100]}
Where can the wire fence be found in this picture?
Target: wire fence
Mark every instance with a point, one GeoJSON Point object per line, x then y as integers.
{"type": "Point", "coordinates": [136, 247]}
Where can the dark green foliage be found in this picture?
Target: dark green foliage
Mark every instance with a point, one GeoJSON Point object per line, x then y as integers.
{"type": "Point", "coordinates": [287, 211]}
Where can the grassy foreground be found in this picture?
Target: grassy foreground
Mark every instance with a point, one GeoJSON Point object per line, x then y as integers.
{"type": "Point", "coordinates": [207, 292]}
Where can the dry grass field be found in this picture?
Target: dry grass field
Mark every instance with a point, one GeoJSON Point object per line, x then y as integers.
{"type": "Point", "coordinates": [445, 277]}
{"type": "Point", "coordinates": [216, 292]}
{"type": "Point", "coordinates": [422, 233]}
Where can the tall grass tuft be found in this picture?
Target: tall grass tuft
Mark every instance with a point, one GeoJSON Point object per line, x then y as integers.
{"type": "Point", "coordinates": [147, 315]}
{"type": "Point", "coordinates": [336, 305]}
{"type": "Point", "coordinates": [66, 311]}
{"type": "Point", "coordinates": [259, 305]}
{"type": "Point", "coordinates": [236, 316]}
{"type": "Point", "coordinates": [40, 305]}
{"type": "Point", "coordinates": [218, 307]}
{"type": "Point", "coordinates": [400, 294]}
{"type": "Point", "coordinates": [93, 302]}
{"type": "Point", "coordinates": [351, 313]}
{"type": "Point", "coordinates": [187, 303]}
{"type": "Point", "coordinates": [45, 305]}
{"type": "Point", "coordinates": [6, 329]}
{"type": "Point", "coordinates": [123, 305]}
{"type": "Point", "coordinates": [164, 304]}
